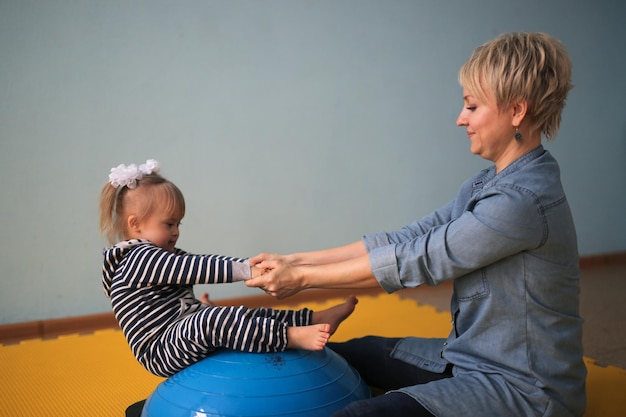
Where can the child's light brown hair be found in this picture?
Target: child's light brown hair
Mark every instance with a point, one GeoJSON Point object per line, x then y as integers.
{"type": "Point", "coordinates": [152, 192]}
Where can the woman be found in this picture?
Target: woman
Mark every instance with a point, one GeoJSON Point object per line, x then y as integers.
{"type": "Point", "coordinates": [508, 243]}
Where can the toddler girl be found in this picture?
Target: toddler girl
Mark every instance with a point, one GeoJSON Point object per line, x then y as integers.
{"type": "Point", "coordinates": [150, 283]}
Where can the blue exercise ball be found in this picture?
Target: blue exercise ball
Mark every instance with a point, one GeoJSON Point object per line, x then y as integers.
{"type": "Point", "coordinates": [229, 383]}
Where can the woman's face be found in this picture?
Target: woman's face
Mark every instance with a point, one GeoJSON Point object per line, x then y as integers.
{"type": "Point", "coordinates": [490, 131]}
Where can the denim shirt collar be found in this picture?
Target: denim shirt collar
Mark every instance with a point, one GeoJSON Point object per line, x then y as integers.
{"type": "Point", "coordinates": [490, 176]}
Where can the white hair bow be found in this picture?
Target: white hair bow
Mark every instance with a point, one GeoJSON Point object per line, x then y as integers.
{"type": "Point", "coordinates": [123, 175]}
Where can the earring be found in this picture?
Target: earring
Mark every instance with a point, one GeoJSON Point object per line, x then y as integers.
{"type": "Point", "coordinates": [518, 135]}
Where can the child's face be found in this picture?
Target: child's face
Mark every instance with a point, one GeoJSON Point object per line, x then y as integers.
{"type": "Point", "coordinates": [160, 229]}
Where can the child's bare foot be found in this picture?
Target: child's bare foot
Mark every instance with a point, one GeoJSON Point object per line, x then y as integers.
{"type": "Point", "coordinates": [204, 299]}
{"type": "Point", "coordinates": [312, 337]}
{"type": "Point", "coordinates": [336, 314]}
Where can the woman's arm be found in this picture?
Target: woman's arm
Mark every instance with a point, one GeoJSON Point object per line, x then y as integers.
{"type": "Point", "coordinates": [343, 267]}
{"type": "Point", "coordinates": [320, 257]}
{"type": "Point", "coordinates": [339, 268]}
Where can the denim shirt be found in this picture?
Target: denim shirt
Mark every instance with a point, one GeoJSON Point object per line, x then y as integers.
{"type": "Point", "coordinates": [508, 242]}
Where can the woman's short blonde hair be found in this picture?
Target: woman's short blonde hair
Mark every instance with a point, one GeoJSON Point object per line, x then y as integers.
{"type": "Point", "coordinates": [522, 66]}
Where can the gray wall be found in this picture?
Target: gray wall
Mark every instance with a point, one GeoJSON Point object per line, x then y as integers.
{"type": "Point", "coordinates": [289, 125]}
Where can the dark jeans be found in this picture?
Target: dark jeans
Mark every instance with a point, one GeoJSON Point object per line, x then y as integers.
{"type": "Point", "coordinates": [394, 404]}
{"type": "Point", "coordinates": [370, 356]}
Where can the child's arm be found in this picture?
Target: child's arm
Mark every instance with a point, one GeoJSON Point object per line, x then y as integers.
{"type": "Point", "coordinates": [149, 265]}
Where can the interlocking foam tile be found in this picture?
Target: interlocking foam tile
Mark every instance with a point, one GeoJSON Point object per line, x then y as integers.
{"type": "Point", "coordinates": [606, 391]}
{"type": "Point", "coordinates": [90, 375]}
{"type": "Point", "coordinates": [96, 374]}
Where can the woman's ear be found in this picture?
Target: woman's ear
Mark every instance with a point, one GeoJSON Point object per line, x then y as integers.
{"type": "Point", "coordinates": [519, 111]}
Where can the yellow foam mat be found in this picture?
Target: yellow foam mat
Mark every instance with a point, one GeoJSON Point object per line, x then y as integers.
{"type": "Point", "coordinates": [96, 374]}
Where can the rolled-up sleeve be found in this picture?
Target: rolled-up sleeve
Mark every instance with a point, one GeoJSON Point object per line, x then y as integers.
{"type": "Point", "coordinates": [383, 248]}
{"type": "Point", "coordinates": [384, 266]}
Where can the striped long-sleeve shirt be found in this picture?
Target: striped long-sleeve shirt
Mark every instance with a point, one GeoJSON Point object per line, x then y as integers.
{"type": "Point", "coordinates": [166, 327]}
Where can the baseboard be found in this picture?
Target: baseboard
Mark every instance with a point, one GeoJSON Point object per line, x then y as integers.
{"type": "Point", "coordinates": [47, 329]}
{"type": "Point", "coordinates": [51, 328]}
{"type": "Point", "coordinates": [618, 258]}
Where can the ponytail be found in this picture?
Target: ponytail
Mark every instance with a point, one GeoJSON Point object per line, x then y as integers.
{"type": "Point", "coordinates": [108, 217]}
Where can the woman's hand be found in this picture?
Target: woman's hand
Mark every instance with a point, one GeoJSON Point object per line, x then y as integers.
{"type": "Point", "coordinates": [280, 279]}
{"type": "Point", "coordinates": [340, 268]}
{"type": "Point", "coordinates": [262, 257]}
